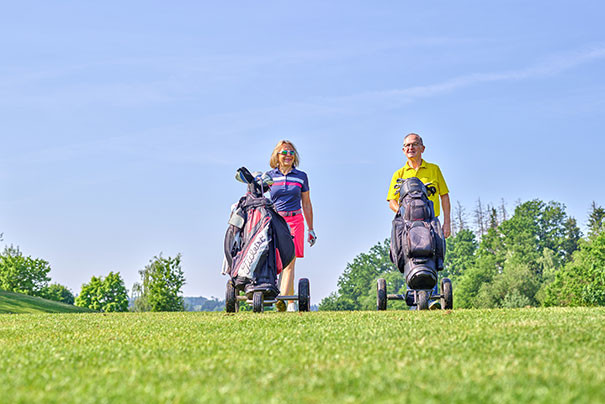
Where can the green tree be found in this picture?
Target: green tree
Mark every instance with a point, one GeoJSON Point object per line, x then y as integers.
{"type": "Point", "coordinates": [160, 287]}
{"type": "Point", "coordinates": [468, 285]}
{"type": "Point", "coordinates": [515, 286]}
{"type": "Point", "coordinates": [534, 226]}
{"type": "Point", "coordinates": [595, 220]}
{"type": "Point", "coordinates": [357, 284]}
{"type": "Point", "coordinates": [571, 239]}
{"type": "Point", "coordinates": [104, 294]}
{"type": "Point", "coordinates": [512, 249]}
{"type": "Point", "coordinates": [91, 294]}
{"type": "Point", "coordinates": [460, 253]}
{"type": "Point", "coordinates": [550, 263]}
{"type": "Point", "coordinates": [582, 281]}
{"type": "Point", "coordinates": [58, 293]}
{"type": "Point", "coordinates": [22, 274]}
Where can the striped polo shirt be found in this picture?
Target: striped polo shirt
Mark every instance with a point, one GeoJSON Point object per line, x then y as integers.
{"type": "Point", "coordinates": [286, 189]}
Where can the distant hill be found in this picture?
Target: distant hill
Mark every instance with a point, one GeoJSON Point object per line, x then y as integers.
{"type": "Point", "coordinates": [203, 304]}
{"type": "Point", "coordinates": [19, 303]}
{"type": "Point", "coordinates": [213, 304]}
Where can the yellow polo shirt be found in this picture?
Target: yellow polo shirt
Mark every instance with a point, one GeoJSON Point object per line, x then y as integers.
{"type": "Point", "coordinates": [427, 173]}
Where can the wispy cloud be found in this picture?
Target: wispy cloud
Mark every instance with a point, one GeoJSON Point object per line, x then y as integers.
{"type": "Point", "coordinates": [553, 66]}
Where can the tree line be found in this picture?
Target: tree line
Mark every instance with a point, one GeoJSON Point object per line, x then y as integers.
{"type": "Point", "coordinates": [535, 257]}
{"type": "Point", "coordinates": [158, 290]}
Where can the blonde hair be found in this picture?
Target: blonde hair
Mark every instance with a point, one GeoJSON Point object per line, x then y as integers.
{"type": "Point", "coordinates": [274, 160]}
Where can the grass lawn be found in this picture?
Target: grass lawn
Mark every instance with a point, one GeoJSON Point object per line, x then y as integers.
{"type": "Point", "coordinates": [489, 356]}
{"type": "Point", "coordinates": [19, 303]}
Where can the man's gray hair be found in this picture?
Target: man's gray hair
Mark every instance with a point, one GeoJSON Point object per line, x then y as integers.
{"type": "Point", "coordinates": [413, 134]}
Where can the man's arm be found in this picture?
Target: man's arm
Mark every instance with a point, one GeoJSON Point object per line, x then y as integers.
{"type": "Point", "coordinates": [394, 205]}
{"type": "Point", "coordinates": [445, 204]}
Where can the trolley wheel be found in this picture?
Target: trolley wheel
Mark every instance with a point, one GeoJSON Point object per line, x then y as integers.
{"type": "Point", "coordinates": [304, 295]}
{"type": "Point", "coordinates": [231, 304]}
{"type": "Point", "coordinates": [422, 302]}
{"type": "Point", "coordinates": [381, 294]}
{"type": "Point", "coordinates": [447, 301]}
{"type": "Point", "coordinates": [258, 304]}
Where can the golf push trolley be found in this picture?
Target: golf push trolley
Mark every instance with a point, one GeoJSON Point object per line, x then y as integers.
{"type": "Point", "coordinates": [258, 244]}
{"type": "Point", "coordinates": [417, 248]}
{"type": "Point", "coordinates": [259, 298]}
{"type": "Point", "coordinates": [418, 298]}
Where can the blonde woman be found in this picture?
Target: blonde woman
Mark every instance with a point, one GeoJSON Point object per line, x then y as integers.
{"type": "Point", "coordinates": [290, 194]}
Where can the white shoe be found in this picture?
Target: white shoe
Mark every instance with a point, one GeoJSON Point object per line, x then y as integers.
{"type": "Point", "coordinates": [291, 306]}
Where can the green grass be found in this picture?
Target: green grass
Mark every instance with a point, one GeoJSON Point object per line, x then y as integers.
{"type": "Point", "coordinates": [19, 303]}
{"type": "Point", "coordinates": [488, 356]}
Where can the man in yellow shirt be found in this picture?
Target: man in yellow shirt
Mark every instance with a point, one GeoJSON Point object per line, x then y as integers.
{"type": "Point", "coordinates": [425, 172]}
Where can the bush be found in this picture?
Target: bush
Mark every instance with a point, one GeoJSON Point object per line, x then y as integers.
{"type": "Point", "coordinates": [58, 293]}
{"type": "Point", "coordinates": [582, 281]}
{"type": "Point", "coordinates": [104, 294]}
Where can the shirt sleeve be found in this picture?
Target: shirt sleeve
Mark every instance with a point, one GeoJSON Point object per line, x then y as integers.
{"type": "Point", "coordinates": [393, 194]}
{"type": "Point", "coordinates": [443, 189]}
{"type": "Point", "coordinates": [305, 185]}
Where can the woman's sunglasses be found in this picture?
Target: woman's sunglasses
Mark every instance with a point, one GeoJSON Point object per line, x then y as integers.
{"type": "Point", "coordinates": [286, 152]}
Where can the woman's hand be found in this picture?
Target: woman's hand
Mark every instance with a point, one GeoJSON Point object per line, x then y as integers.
{"type": "Point", "coordinates": [312, 237]}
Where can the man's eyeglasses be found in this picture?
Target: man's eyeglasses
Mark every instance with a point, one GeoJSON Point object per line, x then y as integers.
{"type": "Point", "coordinates": [414, 145]}
{"type": "Point", "coordinates": [286, 152]}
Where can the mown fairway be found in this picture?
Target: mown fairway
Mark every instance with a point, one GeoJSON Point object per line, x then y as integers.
{"type": "Point", "coordinates": [531, 355]}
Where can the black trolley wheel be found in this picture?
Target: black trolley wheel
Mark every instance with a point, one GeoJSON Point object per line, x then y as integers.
{"type": "Point", "coordinates": [304, 295]}
{"type": "Point", "coordinates": [447, 301]}
{"type": "Point", "coordinates": [422, 300]}
{"type": "Point", "coordinates": [381, 294]}
{"type": "Point", "coordinates": [258, 304]}
{"type": "Point", "coordinates": [231, 305]}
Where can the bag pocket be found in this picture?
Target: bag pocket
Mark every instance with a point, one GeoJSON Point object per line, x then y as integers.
{"type": "Point", "coordinates": [417, 210]}
{"type": "Point", "coordinates": [439, 243]}
{"type": "Point", "coordinates": [420, 242]}
{"type": "Point", "coordinates": [397, 252]}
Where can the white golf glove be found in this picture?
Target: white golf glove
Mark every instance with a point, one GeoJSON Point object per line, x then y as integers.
{"type": "Point", "coordinates": [312, 238]}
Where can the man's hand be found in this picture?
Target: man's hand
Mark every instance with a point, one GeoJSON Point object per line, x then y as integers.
{"type": "Point", "coordinates": [312, 238]}
{"type": "Point", "coordinates": [447, 229]}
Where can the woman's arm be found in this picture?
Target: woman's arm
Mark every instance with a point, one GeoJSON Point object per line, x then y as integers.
{"type": "Point", "coordinates": [307, 208]}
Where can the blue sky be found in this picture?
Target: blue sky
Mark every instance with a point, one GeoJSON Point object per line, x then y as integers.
{"type": "Point", "coordinates": [123, 122]}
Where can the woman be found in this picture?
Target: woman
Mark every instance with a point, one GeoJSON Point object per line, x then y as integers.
{"type": "Point", "coordinates": [290, 192]}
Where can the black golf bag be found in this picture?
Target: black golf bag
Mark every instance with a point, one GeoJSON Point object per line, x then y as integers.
{"type": "Point", "coordinates": [417, 242]}
{"type": "Point", "coordinates": [258, 242]}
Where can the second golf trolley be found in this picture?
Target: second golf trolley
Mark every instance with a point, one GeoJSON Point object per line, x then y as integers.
{"type": "Point", "coordinates": [418, 298]}
{"type": "Point", "coordinates": [258, 244]}
{"type": "Point", "coordinates": [417, 249]}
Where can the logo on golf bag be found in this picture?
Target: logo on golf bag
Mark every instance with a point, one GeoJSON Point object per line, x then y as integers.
{"type": "Point", "coordinates": [247, 260]}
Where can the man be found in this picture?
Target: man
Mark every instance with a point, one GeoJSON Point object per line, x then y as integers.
{"type": "Point", "coordinates": [413, 147]}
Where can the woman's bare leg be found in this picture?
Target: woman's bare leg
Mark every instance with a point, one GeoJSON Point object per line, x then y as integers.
{"type": "Point", "coordinates": [286, 287]}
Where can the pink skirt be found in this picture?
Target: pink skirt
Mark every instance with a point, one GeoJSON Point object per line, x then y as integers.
{"type": "Point", "coordinates": [297, 228]}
